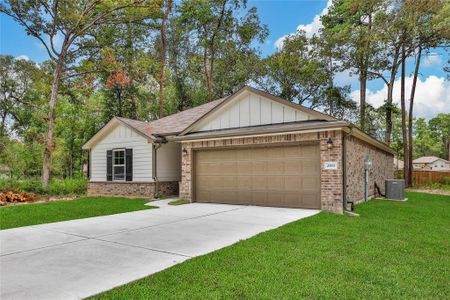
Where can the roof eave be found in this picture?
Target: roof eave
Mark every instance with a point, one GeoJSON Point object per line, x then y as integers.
{"type": "Point", "coordinates": [223, 134]}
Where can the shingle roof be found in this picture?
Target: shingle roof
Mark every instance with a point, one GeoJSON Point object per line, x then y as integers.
{"type": "Point", "coordinates": [426, 159]}
{"type": "Point", "coordinates": [172, 124]}
{"type": "Point", "coordinates": [141, 126]}
{"type": "Point", "coordinates": [176, 123]}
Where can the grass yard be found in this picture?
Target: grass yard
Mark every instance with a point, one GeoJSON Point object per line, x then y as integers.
{"type": "Point", "coordinates": [179, 202]}
{"type": "Point", "coordinates": [39, 213]}
{"type": "Point", "coordinates": [394, 250]}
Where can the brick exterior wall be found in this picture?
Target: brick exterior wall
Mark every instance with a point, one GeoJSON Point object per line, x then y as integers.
{"type": "Point", "coordinates": [382, 168]}
{"type": "Point", "coordinates": [331, 180]}
{"type": "Point", "coordinates": [131, 189]}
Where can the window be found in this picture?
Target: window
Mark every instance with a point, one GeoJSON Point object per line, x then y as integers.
{"type": "Point", "coordinates": [119, 165]}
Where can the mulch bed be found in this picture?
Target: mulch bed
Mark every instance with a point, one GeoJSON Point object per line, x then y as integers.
{"type": "Point", "coordinates": [8, 198]}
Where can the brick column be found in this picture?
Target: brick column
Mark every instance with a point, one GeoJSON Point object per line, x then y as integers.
{"type": "Point", "coordinates": [331, 180]}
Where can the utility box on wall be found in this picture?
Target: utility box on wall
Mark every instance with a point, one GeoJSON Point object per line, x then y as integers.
{"type": "Point", "coordinates": [395, 189]}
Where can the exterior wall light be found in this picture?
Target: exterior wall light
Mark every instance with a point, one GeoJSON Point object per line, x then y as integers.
{"type": "Point", "coordinates": [367, 163]}
{"type": "Point", "coordinates": [329, 143]}
{"type": "Point", "coordinates": [185, 151]}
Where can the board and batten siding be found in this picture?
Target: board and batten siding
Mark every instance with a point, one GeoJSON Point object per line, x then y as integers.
{"type": "Point", "coordinates": [169, 162]}
{"type": "Point", "coordinates": [123, 137]}
{"type": "Point", "coordinates": [251, 110]}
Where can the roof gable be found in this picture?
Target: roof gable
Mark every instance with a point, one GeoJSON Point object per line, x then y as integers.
{"type": "Point", "coordinates": [141, 128]}
{"type": "Point", "coordinates": [428, 160]}
{"type": "Point", "coordinates": [251, 107]}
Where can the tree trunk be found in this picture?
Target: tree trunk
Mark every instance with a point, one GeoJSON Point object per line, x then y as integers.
{"type": "Point", "coordinates": [404, 132]}
{"type": "Point", "coordinates": [410, 116]}
{"type": "Point", "coordinates": [362, 99]}
{"type": "Point", "coordinates": [207, 76]}
{"type": "Point", "coordinates": [3, 127]}
{"type": "Point", "coordinates": [134, 107]}
{"type": "Point", "coordinates": [46, 167]}
{"type": "Point", "coordinates": [388, 134]}
{"type": "Point", "coordinates": [212, 49]}
{"type": "Point", "coordinates": [390, 89]}
{"type": "Point", "coordinates": [330, 86]}
{"type": "Point", "coordinates": [163, 58]}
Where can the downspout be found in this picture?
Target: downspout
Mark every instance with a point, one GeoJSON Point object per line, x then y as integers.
{"type": "Point", "coordinates": [155, 146]}
{"type": "Point", "coordinates": [344, 169]}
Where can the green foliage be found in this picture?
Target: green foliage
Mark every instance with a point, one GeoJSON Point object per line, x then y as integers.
{"type": "Point", "coordinates": [179, 202]}
{"type": "Point", "coordinates": [57, 187]}
{"type": "Point", "coordinates": [296, 72]}
{"type": "Point", "coordinates": [436, 186]}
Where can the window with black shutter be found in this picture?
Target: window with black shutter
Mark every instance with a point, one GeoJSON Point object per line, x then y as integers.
{"type": "Point", "coordinates": [118, 167]}
{"type": "Point", "coordinates": [129, 164]}
{"type": "Point", "coordinates": [109, 158]}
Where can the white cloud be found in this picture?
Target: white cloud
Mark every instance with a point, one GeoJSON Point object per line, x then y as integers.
{"type": "Point", "coordinates": [22, 57]}
{"type": "Point", "coordinates": [432, 96]}
{"type": "Point", "coordinates": [345, 78]}
{"type": "Point", "coordinates": [432, 59]}
{"type": "Point", "coordinates": [310, 29]}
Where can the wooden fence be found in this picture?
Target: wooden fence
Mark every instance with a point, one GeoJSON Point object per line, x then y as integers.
{"type": "Point", "coordinates": [427, 177]}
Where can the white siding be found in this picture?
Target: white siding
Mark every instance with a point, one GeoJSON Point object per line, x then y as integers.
{"type": "Point", "coordinates": [251, 109]}
{"type": "Point", "coordinates": [169, 162]}
{"type": "Point", "coordinates": [440, 165]}
{"type": "Point", "coordinates": [123, 137]}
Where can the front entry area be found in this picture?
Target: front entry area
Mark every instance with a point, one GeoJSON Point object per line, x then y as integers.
{"type": "Point", "coordinates": [279, 176]}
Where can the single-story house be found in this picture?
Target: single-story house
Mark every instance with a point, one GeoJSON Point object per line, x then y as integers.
{"type": "Point", "coordinates": [431, 163]}
{"type": "Point", "coordinates": [248, 148]}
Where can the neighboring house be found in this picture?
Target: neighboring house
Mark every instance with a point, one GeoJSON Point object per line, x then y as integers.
{"type": "Point", "coordinates": [248, 148]}
{"type": "Point", "coordinates": [431, 163]}
{"type": "Point", "coordinates": [398, 164]}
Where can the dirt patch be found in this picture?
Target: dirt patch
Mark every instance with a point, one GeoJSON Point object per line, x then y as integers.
{"type": "Point", "coordinates": [430, 191]}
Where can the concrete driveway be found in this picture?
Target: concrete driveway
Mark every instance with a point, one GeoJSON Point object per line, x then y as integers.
{"type": "Point", "coordinates": [79, 258]}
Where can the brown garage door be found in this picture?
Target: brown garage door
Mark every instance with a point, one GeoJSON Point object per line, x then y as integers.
{"type": "Point", "coordinates": [285, 176]}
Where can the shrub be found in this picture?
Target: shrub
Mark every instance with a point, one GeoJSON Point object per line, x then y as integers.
{"type": "Point", "coordinates": [68, 186]}
{"type": "Point", "coordinates": [57, 187]}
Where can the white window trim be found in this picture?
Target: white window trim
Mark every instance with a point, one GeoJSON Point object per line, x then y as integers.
{"type": "Point", "coordinates": [120, 165]}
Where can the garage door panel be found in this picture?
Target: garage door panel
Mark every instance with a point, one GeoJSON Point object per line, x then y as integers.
{"type": "Point", "coordinates": [285, 176]}
{"type": "Point", "coordinates": [259, 182]}
{"type": "Point", "coordinates": [309, 200]}
{"type": "Point", "coordinates": [275, 167]}
{"type": "Point", "coordinates": [292, 183]}
{"type": "Point", "coordinates": [293, 167]}
{"type": "Point", "coordinates": [259, 167]}
{"type": "Point", "coordinates": [277, 183]}
{"type": "Point", "coordinates": [228, 167]}
{"type": "Point", "coordinates": [229, 183]}
{"type": "Point", "coordinates": [244, 167]}
{"type": "Point", "coordinates": [244, 183]}
{"type": "Point", "coordinates": [310, 183]}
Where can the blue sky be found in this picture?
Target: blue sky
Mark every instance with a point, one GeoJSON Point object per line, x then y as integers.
{"type": "Point", "coordinates": [284, 17]}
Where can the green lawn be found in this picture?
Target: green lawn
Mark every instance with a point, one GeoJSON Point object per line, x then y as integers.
{"type": "Point", "coordinates": [39, 213]}
{"type": "Point", "coordinates": [179, 202]}
{"type": "Point", "coordinates": [393, 250]}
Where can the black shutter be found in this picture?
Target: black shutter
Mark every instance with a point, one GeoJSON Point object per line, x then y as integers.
{"type": "Point", "coordinates": [109, 158]}
{"type": "Point", "coordinates": [89, 165]}
{"type": "Point", "coordinates": [129, 164]}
